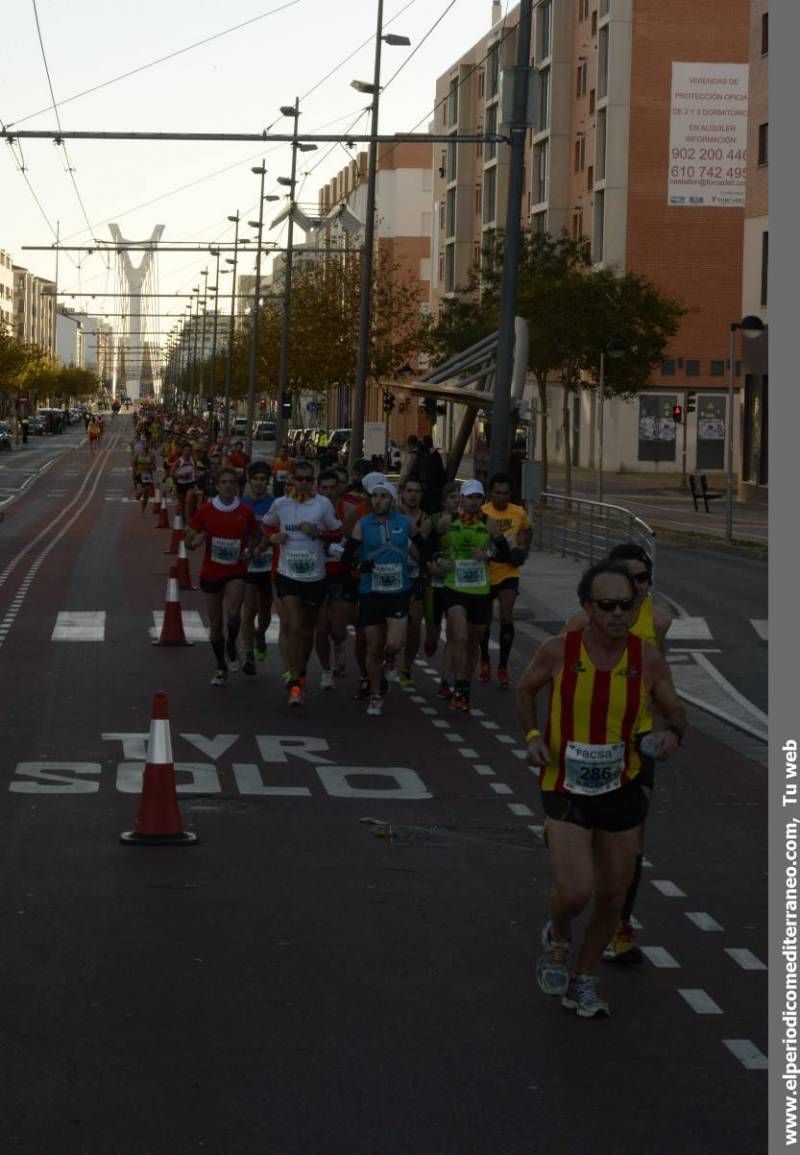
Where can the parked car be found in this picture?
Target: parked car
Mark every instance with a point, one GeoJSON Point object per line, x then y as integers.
{"type": "Point", "coordinates": [239, 427]}
{"type": "Point", "coordinates": [6, 436]}
{"type": "Point", "coordinates": [36, 424]}
{"type": "Point", "coordinates": [265, 431]}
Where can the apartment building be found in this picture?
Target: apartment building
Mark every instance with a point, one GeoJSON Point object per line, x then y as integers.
{"type": "Point", "coordinates": [754, 452]}
{"type": "Point", "coordinates": [6, 292]}
{"type": "Point", "coordinates": [34, 310]}
{"type": "Point", "coordinates": [600, 166]}
{"type": "Point", "coordinates": [70, 338]}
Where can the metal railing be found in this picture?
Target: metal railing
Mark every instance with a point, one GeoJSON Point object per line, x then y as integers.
{"type": "Point", "coordinates": [586, 530]}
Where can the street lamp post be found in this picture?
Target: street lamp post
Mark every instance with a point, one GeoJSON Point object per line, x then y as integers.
{"type": "Point", "coordinates": [749, 327]}
{"type": "Point", "coordinates": [362, 364]}
{"type": "Point", "coordinates": [614, 348]}
{"type": "Point", "coordinates": [229, 359]}
{"type": "Point", "coordinates": [202, 390]}
{"type": "Point", "coordinates": [195, 327]}
{"type": "Point", "coordinates": [283, 365]}
{"type": "Point", "coordinates": [215, 291]}
{"type": "Point", "coordinates": [251, 379]}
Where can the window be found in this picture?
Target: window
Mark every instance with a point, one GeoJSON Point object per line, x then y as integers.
{"type": "Point", "coordinates": [540, 156]}
{"type": "Point", "coordinates": [668, 367]}
{"type": "Point", "coordinates": [450, 269]}
{"type": "Point", "coordinates": [583, 9]}
{"type": "Point", "coordinates": [539, 224]}
{"type": "Point", "coordinates": [577, 224]}
{"type": "Point", "coordinates": [491, 127]}
{"type": "Point", "coordinates": [717, 369]}
{"type": "Point", "coordinates": [692, 367]}
{"type": "Point", "coordinates": [543, 99]}
{"type": "Point", "coordinates": [602, 63]}
{"type": "Point", "coordinates": [594, 23]}
{"type": "Point", "coordinates": [580, 152]}
{"type": "Point", "coordinates": [764, 33]}
{"type": "Point", "coordinates": [452, 156]}
{"type": "Point", "coordinates": [764, 267]}
{"type": "Point", "coordinates": [452, 102]}
{"type": "Point", "coordinates": [599, 227]}
{"type": "Point", "coordinates": [476, 254]}
{"type": "Point", "coordinates": [600, 146]}
{"type": "Point", "coordinates": [544, 14]}
{"type": "Point", "coordinates": [489, 194]}
{"type": "Point", "coordinates": [441, 267]}
{"type": "Point", "coordinates": [592, 96]}
{"type": "Point", "coordinates": [481, 83]}
{"type": "Point", "coordinates": [478, 199]}
{"type": "Point", "coordinates": [450, 227]}
{"type": "Point", "coordinates": [590, 178]}
{"type": "Point", "coordinates": [581, 78]}
{"type": "Point", "coordinates": [479, 145]}
{"type": "Point", "coordinates": [493, 70]}
{"type": "Point", "coordinates": [604, 7]}
{"type": "Point", "coordinates": [441, 214]}
{"type": "Point", "coordinates": [762, 143]}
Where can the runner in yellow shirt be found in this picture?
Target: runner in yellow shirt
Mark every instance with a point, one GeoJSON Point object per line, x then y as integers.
{"type": "Point", "coordinates": [504, 577]}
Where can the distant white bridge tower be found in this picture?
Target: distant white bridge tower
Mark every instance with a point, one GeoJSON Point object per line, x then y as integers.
{"type": "Point", "coordinates": [137, 355]}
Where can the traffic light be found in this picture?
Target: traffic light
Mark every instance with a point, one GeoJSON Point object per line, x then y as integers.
{"type": "Point", "coordinates": [388, 401]}
{"type": "Point", "coordinates": [677, 414]}
{"type": "Point", "coordinates": [691, 402]}
{"type": "Point", "coordinates": [286, 403]}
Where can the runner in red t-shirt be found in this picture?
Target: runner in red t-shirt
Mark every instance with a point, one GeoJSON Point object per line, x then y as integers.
{"type": "Point", "coordinates": [239, 460]}
{"type": "Point", "coordinates": [229, 529]}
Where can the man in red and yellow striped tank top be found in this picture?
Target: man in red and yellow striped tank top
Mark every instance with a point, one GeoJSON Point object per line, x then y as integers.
{"type": "Point", "coordinates": [602, 680]}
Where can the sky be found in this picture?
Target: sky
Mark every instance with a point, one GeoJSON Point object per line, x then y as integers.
{"type": "Point", "coordinates": [235, 83]}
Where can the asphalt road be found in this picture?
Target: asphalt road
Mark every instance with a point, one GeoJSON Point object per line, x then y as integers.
{"type": "Point", "coordinates": [298, 982]}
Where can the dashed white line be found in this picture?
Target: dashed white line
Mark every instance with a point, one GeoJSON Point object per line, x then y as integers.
{"type": "Point", "coordinates": [761, 626]}
{"type": "Point", "coordinates": [700, 1002]}
{"type": "Point", "coordinates": [483, 769]}
{"type": "Point", "coordinates": [418, 698]}
{"type": "Point", "coordinates": [429, 710]}
{"type": "Point", "coordinates": [501, 788]}
{"type": "Point", "coordinates": [454, 737]}
{"type": "Point", "coordinates": [520, 809]}
{"type": "Point", "coordinates": [80, 626]}
{"type": "Point", "coordinates": [520, 754]}
{"type": "Point", "coordinates": [538, 832]}
{"type": "Point", "coordinates": [440, 724]}
{"type": "Point", "coordinates": [660, 957]}
{"type": "Point", "coordinates": [745, 958]}
{"type": "Point", "coordinates": [667, 888]}
{"type": "Point", "coordinates": [468, 752]}
{"type": "Point", "coordinates": [747, 1053]}
{"type": "Point", "coordinates": [490, 726]}
{"type": "Point", "coordinates": [506, 739]}
{"type": "Point", "coordinates": [477, 713]}
{"type": "Point", "coordinates": [702, 920]}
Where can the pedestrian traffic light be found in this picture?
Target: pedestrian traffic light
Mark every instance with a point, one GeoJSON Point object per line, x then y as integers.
{"type": "Point", "coordinates": [286, 403]}
{"type": "Point", "coordinates": [388, 401]}
{"type": "Point", "coordinates": [691, 402]}
{"type": "Point", "coordinates": [677, 414]}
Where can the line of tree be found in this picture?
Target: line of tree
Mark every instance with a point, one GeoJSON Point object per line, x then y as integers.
{"type": "Point", "coordinates": [26, 369]}
{"type": "Point", "coordinates": [572, 310]}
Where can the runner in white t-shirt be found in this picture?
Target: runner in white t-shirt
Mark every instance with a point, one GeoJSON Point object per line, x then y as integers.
{"type": "Point", "coordinates": [304, 521]}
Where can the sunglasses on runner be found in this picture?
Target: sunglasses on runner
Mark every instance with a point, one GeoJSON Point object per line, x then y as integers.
{"type": "Point", "coordinates": [610, 604]}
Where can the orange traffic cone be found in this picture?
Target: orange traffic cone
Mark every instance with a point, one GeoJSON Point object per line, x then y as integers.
{"type": "Point", "coordinates": [182, 568]}
{"type": "Point", "coordinates": [177, 533]}
{"type": "Point", "coordinates": [159, 820]}
{"type": "Point", "coordinates": [163, 515]}
{"type": "Point", "coordinates": [157, 500]}
{"type": "Point", "coordinates": [172, 627]}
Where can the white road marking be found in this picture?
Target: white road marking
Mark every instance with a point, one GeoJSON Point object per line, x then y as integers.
{"type": "Point", "coordinates": [501, 788]}
{"type": "Point", "coordinates": [477, 713]}
{"type": "Point", "coordinates": [635, 923]}
{"type": "Point", "coordinates": [429, 710]}
{"type": "Point", "coordinates": [520, 809]}
{"type": "Point", "coordinates": [440, 724]}
{"type": "Point", "coordinates": [481, 768]}
{"type": "Point", "coordinates": [747, 1053]}
{"type": "Point", "coordinates": [745, 958]}
{"type": "Point", "coordinates": [490, 726]}
{"type": "Point", "coordinates": [700, 1002]}
{"type": "Point", "coordinates": [468, 752]}
{"type": "Point", "coordinates": [454, 737]}
{"type": "Point", "coordinates": [646, 862]}
{"type": "Point", "coordinates": [761, 626]}
{"type": "Point", "coordinates": [194, 627]}
{"type": "Point", "coordinates": [685, 650]}
{"type": "Point", "coordinates": [506, 739]}
{"type": "Point", "coordinates": [418, 698]}
{"type": "Point", "coordinates": [74, 626]}
{"type": "Point", "coordinates": [732, 692]}
{"type": "Point", "coordinates": [667, 888]}
{"type": "Point", "coordinates": [689, 630]}
{"type": "Point", "coordinates": [660, 957]}
{"type": "Point", "coordinates": [520, 754]}
{"type": "Point", "coordinates": [702, 920]}
{"type": "Point", "coordinates": [672, 658]}
{"type": "Point", "coordinates": [538, 832]}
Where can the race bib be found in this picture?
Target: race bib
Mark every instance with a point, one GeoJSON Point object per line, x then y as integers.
{"type": "Point", "coordinates": [593, 769]}
{"type": "Point", "coordinates": [437, 583]}
{"type": "Point", "coordinates": [145, 478]}
{"type": "Point", "coordinates": [387, 577]}
{"type": "Point", "coordinates": [301, 563]}
{"type": "Point", "coordinates": [225, 550]}
{"type": "Point", "coordinates": [470, 573]}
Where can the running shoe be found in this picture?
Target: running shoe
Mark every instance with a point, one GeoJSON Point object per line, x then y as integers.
{"type": "Point", "coordinates": [623, 948]}
{"type": "Point", "coordinates": [220, 678]}
{"type": "Point", "coordinates": [375, 707]}
{"type": "Point", "coordinates": [444, 692]}
{"type": "Point", "coordinates": [405, 680]}
{"type": "Point", "coordinates": [581, 996]}
{"type": "Point", "coordinates": [326, 680]}
{"type": "Point", "coordinates": [503, 679]}
{"type": "Point", "coordinates": [261, 648]}
{"type": "Point", "coordinates": [390, 670]}
{"type": "Point", "coordinates": [552, 966]}
{"type": "Point", "coordinates": [485, 674]}
{"type": "Point", "coordinates": [249, 665]}
{"type": "Point", "coordinates": [296, 694]}
{"type": "Point", "coordinates": [232, 655]}
{"type": "Point", "coordinates": [339, 657]}
{"type": "Point", "coordinates": [460, 702]}
{"type": "Point", "coordinates": [363, 690]}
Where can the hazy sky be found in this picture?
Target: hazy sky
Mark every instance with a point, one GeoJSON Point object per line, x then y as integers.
{"type": "Point", "coordinates": [234, 84]}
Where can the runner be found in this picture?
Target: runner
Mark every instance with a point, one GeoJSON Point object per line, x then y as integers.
{"type": "Point", "coordinates": [411, 505]}
{"type": "Point", "coordinates": [504, 575]}
{"type": "Point", "coordinates": [144, 470]}
{"type": "Point", "coordinates": [257, 607]}
{"type": "Point", "coordinates": [467, 542]}
{"type": "Point", "coordinates": [305, 520]}
{"type": "Point", "coordinates": [239, 460]}
{"type": "Point", "coordinates": [184, 474]}
{"type": "Point", "coordinates": [651, 624]}
{"type": "Point", "coordinates": [93, 430]}
{"type": "Point", "coordinates": [434, 592]}
{"type": "Point", "coordinates": [281, 469]}
{"type": "Point", "coordinates": [336, 612]}
{"type": "Point", "coordinates": [355, 504]}
{"type": "Point", "coordinates": [601, 681]}
{"type": "Point", "coordinates": [383, 539]}
{"type": "Point", "coordinates": [229, 530]}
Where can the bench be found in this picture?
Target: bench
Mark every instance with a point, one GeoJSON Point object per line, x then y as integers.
{"type": "Point", "coordinates": [700, 491]}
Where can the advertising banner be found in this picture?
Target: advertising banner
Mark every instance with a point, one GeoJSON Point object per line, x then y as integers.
{"type": "Point", "coordinates": [708, 135]}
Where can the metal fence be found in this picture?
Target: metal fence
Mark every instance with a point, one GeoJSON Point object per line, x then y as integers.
{"type": "Point", "coordinates": [586, 530]}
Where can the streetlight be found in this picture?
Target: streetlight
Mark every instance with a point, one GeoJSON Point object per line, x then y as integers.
{"type": "Point", "coordinates": [229, 359]}
{"type": "Point", "coordinates": [749, 326]}
{"type": "Point", "coordinates": [615, 348]}
{"type": "Point", "coordinates": [195, 327]}
{"type": "Point", "coordinates": [215, 291]}
{"type": "Point", "coordinates": [202, 390]}
{"type": "Point", "coordinates": [362, 364]}
{"type": "Point", "coordinates": [261, 171]}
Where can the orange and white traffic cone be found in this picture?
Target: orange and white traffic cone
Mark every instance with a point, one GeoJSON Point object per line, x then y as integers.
{"type": "Point", "coordinates": [158, 822]}
{"type": "Point", "coordinates": [157, 500]}
{"type": "Point", "coordinates": [182, 568]}
{"type": "Point", "coordinates": [177, 533]}
{"type": "Point", "coordinates": [172, 627]}
{"type": "Point", "coordinates": [163, 514]}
